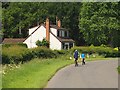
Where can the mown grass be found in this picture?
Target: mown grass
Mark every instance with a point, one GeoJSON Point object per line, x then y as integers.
{"type": "Point", "coordinates": [34, 74]}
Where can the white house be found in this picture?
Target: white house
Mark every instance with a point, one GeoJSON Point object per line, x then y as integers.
{"type": "Point", "coordinates": [57, 36]}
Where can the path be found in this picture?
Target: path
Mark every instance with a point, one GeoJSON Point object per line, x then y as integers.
{"type": "Point", "coordinates": [95, 74]}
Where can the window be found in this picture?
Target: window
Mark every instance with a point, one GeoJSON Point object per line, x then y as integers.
{"type": "Point", "coordinates": [58, 33]}
{"type": "Point", "coordinates": [71, 45]}
{"type": "Point", "coordinates": [63, 45]}
{"type": "Point", "coordinates": [65, 33]}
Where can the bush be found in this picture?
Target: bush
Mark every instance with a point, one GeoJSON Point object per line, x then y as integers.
{"type": "Point", "coordinates": [18, 44]}
{"type": "Point", "coordinates": [43, 52]}
{"type": "Point", "coordinates": [15, 54]}
{"type": "Point", "coordinates": [42, 43]}
{"type": "Point", "coordinates": [61, 52]}
{"type": "Point", "coordinates": [113, 54]}
{"type": "Point", "coordinates": [101, 50]}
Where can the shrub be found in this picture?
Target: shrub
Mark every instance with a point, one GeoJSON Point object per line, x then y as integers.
{"type": "Point", "coordinates": [61, 52]}
{"type": "Point", "coordinates": [42, 43]}
{"type": "Point", "coordinates": [15, 54]}
{"type": "Point", "coordinates": [101, 50]}
{"type": "Point", "coordinates": [18, 44]}
{"type": "Point", "coordinates": [113, 54]}
{"type": "Point", "coordinates": [43, 52]}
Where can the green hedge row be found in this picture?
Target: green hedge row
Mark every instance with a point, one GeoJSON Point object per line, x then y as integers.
{"type": "Point", "coordinates": [101, 50]}
{"type": "Point", "coordinates": [17, 54]}
{"type": "Point", "coordinates": [18, 44]}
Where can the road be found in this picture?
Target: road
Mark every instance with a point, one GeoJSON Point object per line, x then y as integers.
{"type": "Point", "coordinates": [95, 74]}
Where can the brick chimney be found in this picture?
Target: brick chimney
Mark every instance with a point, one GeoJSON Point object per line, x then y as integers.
{"type": "Point", "coordinates": [47, 29]}
{"type": "Point", "coordinates": [59, 23]}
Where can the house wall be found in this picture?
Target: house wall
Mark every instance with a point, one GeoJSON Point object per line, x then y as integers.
{"type": "Point", "coordinates": [32, 29]}
{"type": "Point", "coordinates": [54, 31]}
{"type": "Point", "coordinates": [37, 35]}
{"type": "Point", "coordinates": [55, 43]}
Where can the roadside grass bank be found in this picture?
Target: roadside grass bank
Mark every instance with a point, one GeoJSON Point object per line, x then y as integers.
{"type": "Point", "coordinates": [118, 69]}
{"type": "Point", "coordinates": [33, 74]}
{"type": "Point", "coordinates": [37, 72]}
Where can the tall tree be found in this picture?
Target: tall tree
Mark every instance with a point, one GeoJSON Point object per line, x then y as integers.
{"type": "Point", "coordinates": [98, 21]}
{"type": "Point", "coordinates": [19, 17]}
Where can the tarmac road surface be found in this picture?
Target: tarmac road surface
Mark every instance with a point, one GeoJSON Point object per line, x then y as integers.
{"type": "Point", "coordinates": [95, 74]}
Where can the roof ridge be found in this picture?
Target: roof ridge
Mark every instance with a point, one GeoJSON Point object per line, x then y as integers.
{"type": "Point", "coordinates": [34, 30]}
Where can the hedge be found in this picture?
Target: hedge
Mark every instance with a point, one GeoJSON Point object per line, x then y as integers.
{"type": "Point", "coordinates": [18, 44]}
{"type": "Point", "coordinates": [16, 54]}
{"type": "Point", "coordinates": [43, 52]}
{"type": "Point", "coordinates": [101, 50]}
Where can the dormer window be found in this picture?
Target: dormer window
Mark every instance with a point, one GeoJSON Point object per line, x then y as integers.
{"type": "Point", "coordinates": [66, 33]}
{"type": "Point", "coordinates": [62, 33]}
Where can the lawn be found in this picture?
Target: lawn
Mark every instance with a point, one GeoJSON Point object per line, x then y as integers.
{"type": "Point", "coordinates": [34, 74]}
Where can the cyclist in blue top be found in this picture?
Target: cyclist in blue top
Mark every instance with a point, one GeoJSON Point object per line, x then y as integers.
{"type": "Point", "coordinates": [76, 57]}
{"type": "Point", "coordinates": [83, 58]}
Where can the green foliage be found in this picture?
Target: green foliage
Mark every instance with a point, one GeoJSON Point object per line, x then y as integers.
{"type": "Point", "coordinates": [101, 50]}
{"type": "Point", "coordinates": [18, 44]}
{"type": "Point", "coordinates": [100, 23]}
{"type": "Point", "coordinates": [16, 54]}
{"type": "Point", "coordinates": [88, 22]}
{"type": "Point", "coordinates": [39, 43]}
{"type": "Point", "coordinates": [38, 71]}
{"type": "Point", "coordinates": [43, 52]}
{"type": "Point", "coordinates": [118, 69]}
{"type": "Point", "coordinates": [24, 15]}
{"type": "Point", "coordinates": [61, 52]}
{"type": "Point", "coordinates": [42, 43]}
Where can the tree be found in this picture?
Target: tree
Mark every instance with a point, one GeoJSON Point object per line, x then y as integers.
{"type": "Point", "coordinates": [99, 22]}
{"type": "Point", "coordinates": [20, 16]}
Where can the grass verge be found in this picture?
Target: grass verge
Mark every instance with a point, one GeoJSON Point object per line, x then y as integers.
{"type": "Point", "coordinates": [34, 74]}
{"type": "Point", "coordinates": [37, 72]}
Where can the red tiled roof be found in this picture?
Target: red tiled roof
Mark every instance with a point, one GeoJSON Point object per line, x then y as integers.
{"type": "Point", "coordinates": [13, 40]}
